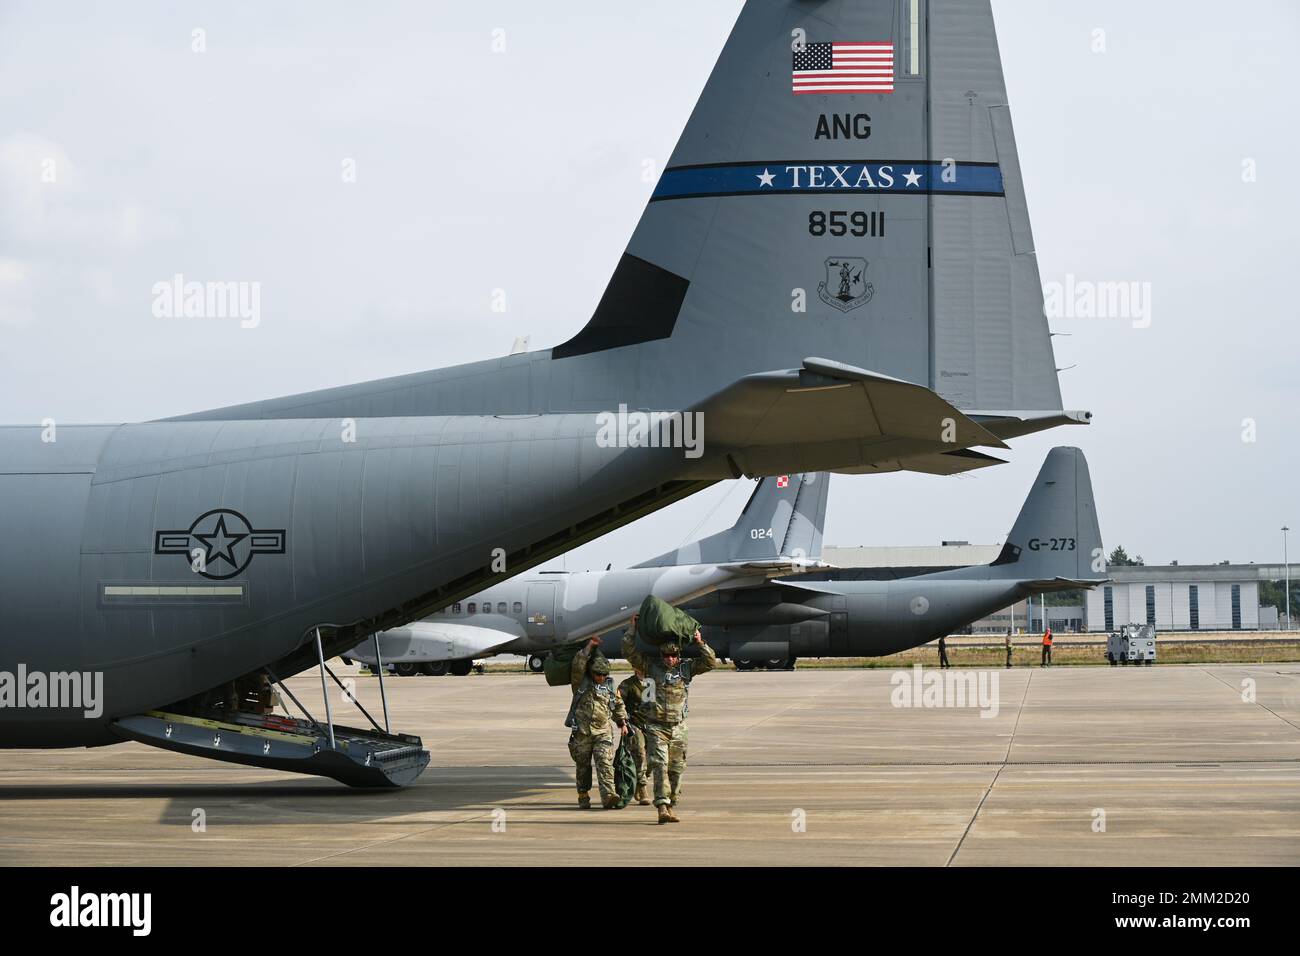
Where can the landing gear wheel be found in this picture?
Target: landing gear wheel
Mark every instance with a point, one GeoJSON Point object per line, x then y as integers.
{"type": "Point", "coordinates": [536, 663]}
{"type": "Point", "coordinates": [776, 663]}
{"type": "Point", "coordinates": [406, 670]}
{"type": "Point", "coordinates": [744, 665]}
{"type": "Point", "coordinates": [460, 668]}
{"type": "Point", "coordinates": [433, 668]}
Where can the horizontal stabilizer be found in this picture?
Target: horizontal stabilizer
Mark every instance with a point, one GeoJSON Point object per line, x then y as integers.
{"type": "Point", "coordinates": [828, 416]}
{"type": "Point", "coordinates": [945, 463]}
{"type": "Point", "coordinates": [812, 587]}
{"type": "Point", "coordinates": [773, 569]}
{"type": "Point", "coordinates": [1015, 424]}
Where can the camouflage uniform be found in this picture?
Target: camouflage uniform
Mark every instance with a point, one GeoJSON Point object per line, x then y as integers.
{"type": "Point", "coordinates": [631, 690]}
{"type": "Point", "coordinates": [663, 712]}
{"type": "Point", "coordinates": [594, 706]}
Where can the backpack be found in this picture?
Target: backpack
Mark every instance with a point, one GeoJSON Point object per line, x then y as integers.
{"type": "Point", "coordinates": [559, 664]}
{"type": "Point", "coordinates": [658, 622]}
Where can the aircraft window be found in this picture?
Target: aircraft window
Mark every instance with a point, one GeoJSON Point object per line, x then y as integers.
{"type": "Point", "coordinates": [519, 607]}
{"type": "Point", "coordinates": [473, 608]}
{"type": "Point", "coordinates": [501, 607]}
{"type": "Point", "coordinates": [455, 608]}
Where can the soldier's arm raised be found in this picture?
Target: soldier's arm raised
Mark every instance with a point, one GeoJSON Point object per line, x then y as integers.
{"type": "Point", "coordinates": [707, 659]}
{"type": "Point", "coordinates": [578, 669]}
{"type": "Point", "coordinates": [634, 657]}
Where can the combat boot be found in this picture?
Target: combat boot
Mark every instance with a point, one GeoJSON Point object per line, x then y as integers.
{"type": "Point", "coordinates": [610, 802]}
{"type": "Point", "coordinates": [666, 814]}
{"type": "Point", "coordinates": [584, 799]}
{"type": "Point", "coordinates": [643, 795]}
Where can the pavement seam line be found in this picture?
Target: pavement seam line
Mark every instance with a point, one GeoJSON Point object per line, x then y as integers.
{"type": "Point", "coordinates": [1014, 727]}
{"type": "Point", "coordinates": [1203, 670]}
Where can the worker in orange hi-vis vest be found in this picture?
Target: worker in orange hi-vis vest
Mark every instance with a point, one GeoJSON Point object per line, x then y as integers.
{"type": "Point", "coordinates": [1047, 647]}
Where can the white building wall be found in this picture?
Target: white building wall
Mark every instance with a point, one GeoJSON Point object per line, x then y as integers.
{"type": "Point", "coordinates": [1095, 602]}
{"type": "Point", "coordinates": [1250, 605]}
{"type": "Point", "coordinates": [1164, 605]}
{"type": "Point", "coordinates": [1180, 617]}
{"type": "Point", "coordinates": [1173, 610]}
{"type": "Point", "coordinates": [1121, 605]}
{"type": "Point", "coordinates": [1137, 605]}
{"type": "Point", "coordinates": [1222, 607]}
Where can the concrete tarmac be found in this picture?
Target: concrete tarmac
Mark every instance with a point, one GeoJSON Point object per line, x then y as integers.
{"type": "Point", "coordinates": [809, 767]}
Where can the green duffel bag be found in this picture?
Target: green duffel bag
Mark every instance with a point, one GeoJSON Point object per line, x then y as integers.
{"type": "Point", "coordinates": [625, 778]}
{"type": "Point", "coordinates": [659, 622]}
{"type": "Point", "coordinates": [559, 664]}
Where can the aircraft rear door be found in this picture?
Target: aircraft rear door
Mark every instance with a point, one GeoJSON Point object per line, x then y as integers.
{"type": "Point", "coordinates": [541, 609]}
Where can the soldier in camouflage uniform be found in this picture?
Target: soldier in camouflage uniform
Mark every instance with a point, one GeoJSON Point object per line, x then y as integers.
{"type": "Point", "coordinates": [631, 690]}
{"type": "Point", "coordinates": [663, 712]}
{"type": "Point", "coordinates": [595, 704]}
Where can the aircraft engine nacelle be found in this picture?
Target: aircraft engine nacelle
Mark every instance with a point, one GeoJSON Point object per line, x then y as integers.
{"type": "Point", "coordinates": [422, 642]}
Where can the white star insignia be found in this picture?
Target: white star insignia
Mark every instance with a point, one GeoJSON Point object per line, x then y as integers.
{"type": "Point", "coordinates": [765, 178]}
{"type": "Point", "coordinates": [913, 177]}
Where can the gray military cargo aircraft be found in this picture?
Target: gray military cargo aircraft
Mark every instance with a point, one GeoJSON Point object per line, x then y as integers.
{"type": "Point", "coordinates": [779, 532]}
{"type": "Point", "coordinates": [173, 570]}
{"type": "Point", "coordinates": [1054, 545]}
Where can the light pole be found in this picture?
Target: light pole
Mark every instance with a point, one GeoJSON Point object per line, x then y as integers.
{"type": "Point", "coordinates": [1286, 568]}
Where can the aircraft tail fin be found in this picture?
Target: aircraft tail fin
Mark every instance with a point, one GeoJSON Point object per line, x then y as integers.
{"type": "Point", "coordinates": [782, 519]}
{"type": "Point", "coordinates": [848, 186]}
{"type": "Point", "coordinates": [889, 195]}
{"type": "Point", "coordinates": [1056, 535]}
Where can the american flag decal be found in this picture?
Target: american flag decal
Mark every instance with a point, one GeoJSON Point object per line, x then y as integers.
{"type": "Point", "coordinates": [844, 68]}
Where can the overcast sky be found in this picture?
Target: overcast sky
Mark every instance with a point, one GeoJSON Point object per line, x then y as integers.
{"type": "Point", "coordinates": [523, 170]}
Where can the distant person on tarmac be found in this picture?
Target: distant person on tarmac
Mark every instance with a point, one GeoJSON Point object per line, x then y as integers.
{"type": "Point", "coordinates": [943, 653]}
{"type": "Point", "coordinates": [1008, 648]}
{"type": "Point", "coordinates": [1047, 648]}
